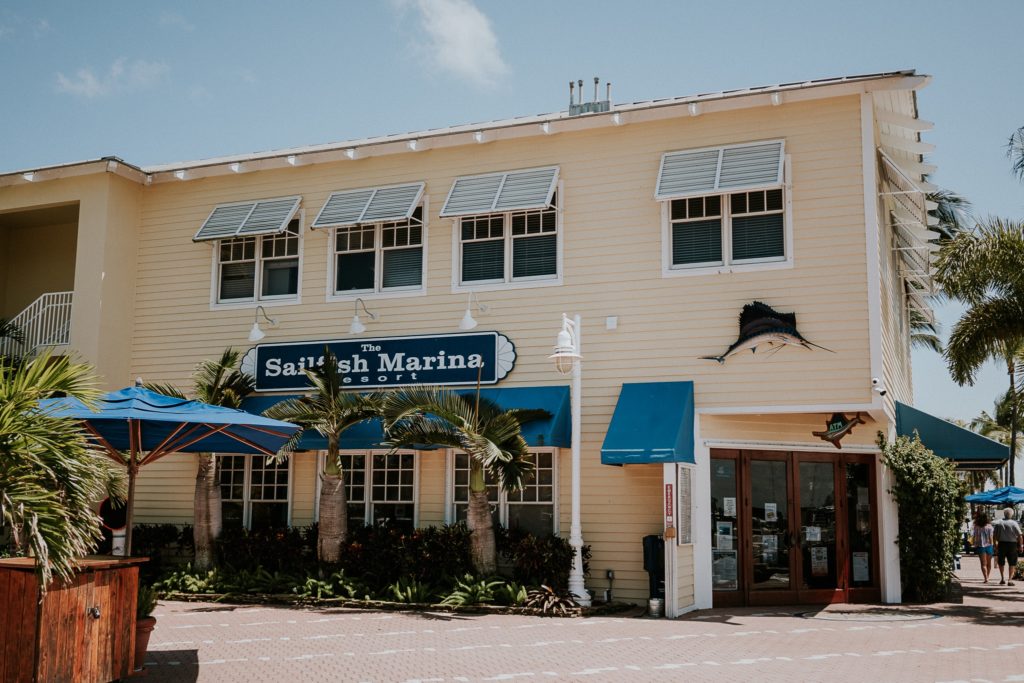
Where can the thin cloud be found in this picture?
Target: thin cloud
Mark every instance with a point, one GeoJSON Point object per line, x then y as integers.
{"type": "Point", "coordinates": [460, 40]}
{"type": "Point", "coordinates": [121, 75]}
{"type": "Point", "coordinates": [175, 20]}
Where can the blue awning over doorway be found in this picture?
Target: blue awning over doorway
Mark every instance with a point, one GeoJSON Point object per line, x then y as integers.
{"type": "Point", "coordinates": [552, 432]}
{"type": "Point", "coordinates": [968, 450]}
{"type": "Point", "coordinates": [653, 422]}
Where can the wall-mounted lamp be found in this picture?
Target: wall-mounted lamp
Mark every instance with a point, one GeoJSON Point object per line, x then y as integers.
{"type": "Point", "coordinates": [29, 177]}
{"type": "Point", "coordinates": [467, 322]}
{"type": "Point", "coordinates": [293, 160]}
{"type": "Point", "coordinates": [413, 145]}
{"type": "Point", "coordinates": [694, 109]}
{"type": "Point", "coordinates": [180, 175]}
{"type": "Point", "coordinates": [236, 167]}
{"type": "Point", "coordinates": [617, 119]}
{"type": "Point", "coordinates": [478, 136]}
{"type": "Point", "coordinates": [776, 99]}
{"type": "Point", "coordinates": [357, 326]}
{"type": "Point", "coordinates": [567, 347]}
{"type": "Point", "coordinates": [256, 334]}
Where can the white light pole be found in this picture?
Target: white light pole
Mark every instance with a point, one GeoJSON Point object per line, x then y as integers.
{"type": "Point", "coordinates": [568, 359]}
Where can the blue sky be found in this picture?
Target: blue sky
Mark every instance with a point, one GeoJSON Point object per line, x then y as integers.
{"type": "Point", "coordinates": [156, 82]}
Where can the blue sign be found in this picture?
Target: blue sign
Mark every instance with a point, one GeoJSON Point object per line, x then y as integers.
{"type": "Point", "coordinates": [446, 359]}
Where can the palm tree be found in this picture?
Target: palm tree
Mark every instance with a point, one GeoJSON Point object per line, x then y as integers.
{"type": "Point", "coordinates": [1015, 151]}
{"type": "Point", "coordinates": [951, 212]}
{"type": "Point", "coordinates": [50, 476]}
{"type": "Point", "coordinates": [330, 410]}
{"type": "Point", "coordinates": [924, 334]}
{"type": "Point", "coordinates": [490, 437]}
{"type": "Point", "coordinates": [221, 383]}
{"type": "Point", "coordinates": [983, 269]}
{"type": "Point", "coordinates": [997, 426]}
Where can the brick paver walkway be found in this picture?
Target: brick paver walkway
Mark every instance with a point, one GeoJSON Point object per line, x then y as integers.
{"type": "Point", "coordinates": [979, 640]}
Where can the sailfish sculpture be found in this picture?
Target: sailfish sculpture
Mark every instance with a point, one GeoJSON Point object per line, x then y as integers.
{"type": "Point", "coordinates": [761, 326]}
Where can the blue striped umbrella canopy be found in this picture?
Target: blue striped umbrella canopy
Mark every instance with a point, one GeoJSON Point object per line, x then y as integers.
{"type": "Point", "coordinates": [136, 426]}
{"type": "Point", "coordinates": [1007, 495]}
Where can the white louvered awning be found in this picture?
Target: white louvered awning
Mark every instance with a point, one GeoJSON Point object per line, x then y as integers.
{"type": "Point", "coordinates": [246, 219]}
{"type": "Point", "coordinates": [369, 205]}
{"type": "Point", "coordinates": [718, 169]}
{"type": "Point", "coordinates": [511, 191]}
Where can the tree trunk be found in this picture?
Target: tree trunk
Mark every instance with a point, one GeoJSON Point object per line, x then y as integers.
{"type": "Point", "coordinates": [206, 512]}
{"type": "Point", "coordinates": [333, 525]}
{"type": "Point", "coordinates": [1010, 367]}
{"type": "Point", "coordinates": [481, 524]}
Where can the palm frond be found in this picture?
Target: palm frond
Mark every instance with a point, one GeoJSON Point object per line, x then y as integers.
{"type": "Point", "coordinates": [165, 389]}
{"type": "Point", "coordinates": [1015, 152]}
{"type": "Point", "coordinates": [985, 331]}
{"type": "Point", "coordinates": [952, 213]}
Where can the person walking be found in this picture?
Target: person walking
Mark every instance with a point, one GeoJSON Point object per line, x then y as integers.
{"type": "Point", "coordinates": [1009, 542]}
{"type": "Point", "coordinates": [982, 540]}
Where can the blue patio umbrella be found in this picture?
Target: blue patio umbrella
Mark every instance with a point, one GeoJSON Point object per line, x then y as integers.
{"type": "Point", "coordinates": [145, 426]}
{"type": "Point", "coordinates": [1007, 495]}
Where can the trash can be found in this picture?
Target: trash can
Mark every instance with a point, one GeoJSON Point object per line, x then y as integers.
{"type": "Point", "coordinates": [654, 565]}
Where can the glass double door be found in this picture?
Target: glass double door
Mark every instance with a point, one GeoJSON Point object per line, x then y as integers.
{"type": "Point", "coordinates": [792, 528]}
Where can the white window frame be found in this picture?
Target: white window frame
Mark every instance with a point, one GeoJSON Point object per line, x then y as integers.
{"type": "Point", "coordinates": [727, 265]}
{"type": "Point", "coordinates": [257, 299]}
{"type": "Point", "coordinates": [503, 502]}
{"type": "Point", "coordinates": [247, 484]}
{"type": "Point", "coordinates": [508, 282]}
{"type": "Point", "coordinates": [377, 292]}
{"type": "Point", "coordinates": [321, 461]}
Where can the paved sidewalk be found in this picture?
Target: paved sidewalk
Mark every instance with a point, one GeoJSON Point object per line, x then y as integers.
{"type": "Point", "coordinates": [979, 640]}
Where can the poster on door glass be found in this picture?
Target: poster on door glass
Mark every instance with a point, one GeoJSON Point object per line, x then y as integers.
{"type": "Point", "coordinates": [729, 507]}
{"type": "Point", "coordinates": [723, 532]}
{"type": "Point", "coordinates": [769, 548]}
{"type": "Point", "coordinates": [771, 512]}
{"type": "Point", "coordinates": [812, 533]}
{"type": "Point", "coordinates": [723, 570]}
{"type": "Point", "coordinates": [819, 561]}
{"type": "Point", "coordinates": [861, 572]}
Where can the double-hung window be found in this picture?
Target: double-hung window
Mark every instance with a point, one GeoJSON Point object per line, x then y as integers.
{"type": "Point", "coordinates": [532, 508]}
{"type": "Point", "coordinates": [254, 492]}
{"type": "Point", "coordinates": [378, 238]}
{"type": "Point", "coordinates": [507, 227]}
{"type": "Point", "coordinates": [257, 250]}
{"type": "Point", "coordinates": [726, 206]}
{"type": "Point", "coordinates": [381, 486]}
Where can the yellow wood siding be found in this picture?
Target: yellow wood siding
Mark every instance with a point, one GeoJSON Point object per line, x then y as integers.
{"type": "Point", "coordinates": [684, 575]}
{"type": "Point", "coordinates": [612, 239]}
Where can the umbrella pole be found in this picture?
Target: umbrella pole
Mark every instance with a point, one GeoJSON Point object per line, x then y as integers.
{"type": "Point", "coordinates": [133, 470]}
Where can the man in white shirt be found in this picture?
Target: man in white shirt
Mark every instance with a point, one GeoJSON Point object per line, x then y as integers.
{"type": "Point", "coordinates": [1009, 542]}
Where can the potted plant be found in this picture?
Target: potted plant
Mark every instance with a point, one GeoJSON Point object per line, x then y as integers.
{"type": "Point", "coordinates": [144, 623]}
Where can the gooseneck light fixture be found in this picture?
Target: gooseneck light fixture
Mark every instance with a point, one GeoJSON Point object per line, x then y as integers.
{"type": "Point", "coordinates": [256, 334]}
{"type": "Point", "coordinates": [568, 359]}
{"type": "Point", "coordinates": [357, 326]}
{"type": "Point", "coordinates": [467, 322]}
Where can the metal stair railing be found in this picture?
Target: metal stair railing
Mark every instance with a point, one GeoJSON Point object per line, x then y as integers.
{"type": "Point", "coordinates": [44, 323]}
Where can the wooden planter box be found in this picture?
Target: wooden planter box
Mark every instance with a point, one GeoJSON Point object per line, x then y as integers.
{"type": "Point", "coordinates": [81, 631]}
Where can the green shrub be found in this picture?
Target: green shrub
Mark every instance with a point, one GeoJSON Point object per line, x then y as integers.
{"type": "Point", "coordinates": [511, 594]}
{"type": "Point", "coordinates": [538, 560]}
{"type": "Point", "coordinates": [146, 601]}
{"type": "Point", "coordinates": [284, 549]}
{"type": "Point", "coordinates": [187, 580]}
{"type": "Point", "coordinates": [930, 499]}
{"type": "Point", "coordinates": [384, 553]}
{"type": "Point", "coordinates": [470, 591]}
{"type": "Point", "coordinates": [166, 545]}
{"type": "Point", "coordinates": [410, 591]}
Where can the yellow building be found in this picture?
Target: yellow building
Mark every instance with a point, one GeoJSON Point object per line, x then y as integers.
{"type": "Point", "coordinates": [655, 222]}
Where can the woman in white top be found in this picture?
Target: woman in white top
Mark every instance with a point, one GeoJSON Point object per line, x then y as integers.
{"type": "Point", "coordinates": [982, 539]}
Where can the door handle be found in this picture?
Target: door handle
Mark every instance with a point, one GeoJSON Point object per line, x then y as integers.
{"type": "Point", "coordinates": [93, 611]}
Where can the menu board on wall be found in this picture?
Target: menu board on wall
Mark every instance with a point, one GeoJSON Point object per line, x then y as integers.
{"type": "Point", "coordinates": [819, 561]}
{"type": "Point", "coordinates": [729, 506]}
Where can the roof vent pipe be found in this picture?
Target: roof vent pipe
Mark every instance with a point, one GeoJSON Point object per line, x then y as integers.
{"type": "Point", "coordinates": [571, 100]}
{"type": "Point", "coordinates": [579, 95]}
{"type": "Point", "coordinates": [608, 91]}
{"type": "Point", "coordinates": [596, 81]}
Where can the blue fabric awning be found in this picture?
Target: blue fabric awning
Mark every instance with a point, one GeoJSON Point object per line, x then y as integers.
{"type": "Point", "coordinates": [553, 432]}
{"type": "Point", "coordinates": [653, 422]}
{"type": "Point", "coordinates": [968, 450]}
{"type": "Point", "coordinates": [1007, 495]}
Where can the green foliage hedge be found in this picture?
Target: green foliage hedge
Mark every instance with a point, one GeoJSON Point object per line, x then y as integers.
{"type": "Point", "coordinates": [930, 499]}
